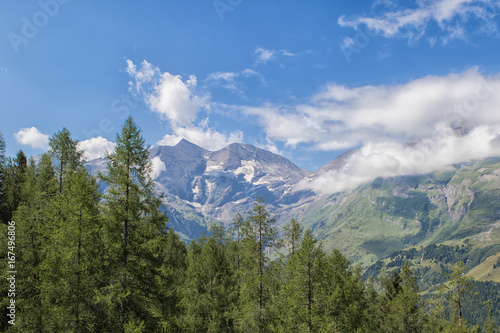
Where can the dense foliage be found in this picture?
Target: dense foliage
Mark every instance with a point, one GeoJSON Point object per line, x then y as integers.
{"type": "Point", "coordinates": [106, 262]}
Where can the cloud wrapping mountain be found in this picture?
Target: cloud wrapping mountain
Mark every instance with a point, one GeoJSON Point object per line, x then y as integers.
{"type": "Point", "coordinates": [96, 147]}
{"type": "Point", "coordinates": [177, 101]}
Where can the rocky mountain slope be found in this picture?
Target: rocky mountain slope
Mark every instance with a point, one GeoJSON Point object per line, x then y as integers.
{"type": "Point", "coordinates": [366, 224]}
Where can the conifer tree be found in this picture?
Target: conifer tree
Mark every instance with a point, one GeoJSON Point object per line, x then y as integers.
{"type": "Point", "coordinates": [340, 295]}
{"type": "Point", "coordinates": [400, 303]}
{"type": "Point", "coordinates": [168, 281]}
{"type": "Point", "coordinates": [259, 237]}
{"type": "Point", "coordinates": [300, 291]}
{"type": "Point", "coordinates": [64, 151]}
{"type": "Point", "coordinates": [34, 225]}
{"type": "Point", "coordinates": [293, 232]}
{"type": "Point", "coordinates": [457, 289]}
{"type": "Point", "coordinates": [79, 251]}
{"type": "Point", "coordinates": [14, 180]}
{"type": "Point", "coordinates": [3, 195]}
{"type": "Point", "coordinates": [135, 233]}
{"type": "Point", "coordinates": [207, 290]}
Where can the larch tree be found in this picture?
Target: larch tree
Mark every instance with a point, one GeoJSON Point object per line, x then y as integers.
{"type": "Point", "coordinates": [65, 153]}
{"type": "Point", "coordinates": [301, 286]}
{"type": "Point", "coordinates": [3, 194]}
{"type": "Point", "coordinates": [135, 233]}
{"type": "Point", "coordinates": [14, 180]}
{"type": "Point", "coordinates": [293, 231]}
{"type": "Point", "coordinates": [34, 226]}
{"type": "Point", "coordinates": [81, 252]}
{"type": "Point", "coordinates": [259, 236]}
{"type": "Point", "coordinates": [458, 288]}
{"type": "Point", "coordinates": [209, 280]}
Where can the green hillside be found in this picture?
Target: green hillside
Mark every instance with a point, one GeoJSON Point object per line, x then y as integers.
{"type": "Point", "coordinates": [392, 214]}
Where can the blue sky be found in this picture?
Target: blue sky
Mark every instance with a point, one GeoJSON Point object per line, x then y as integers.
{"type": "Point", "coordinates": [306, 79]}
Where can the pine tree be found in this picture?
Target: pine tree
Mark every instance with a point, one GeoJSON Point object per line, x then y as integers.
{"type": "Point", "coordinates": [293, 231]}
{"type": "Point", "coordinates": [300, 291]}
{"type": "Point", "coordinates": [400, 303]}
{"type": "Point", "coordinates": [169, 281]}
{"type": "Point", "coordinates": [209, 279]}
{"type": "Point", "coordinates": [34, 225]}
{"type": "Point", "coordinates": [135, 233]}
{"type": "Point", "coordinates": [14, 180]}
{"type": "Point", "coordinates": [3, 194]}
{"type": "Point", "coordinates": [78, 254]}
{"type": "Point", "coordinates": [457, 289]}
{"type": "Point", "coordinates": [64, 151]}
{"type": "Point", "coordinates": [259, 237]}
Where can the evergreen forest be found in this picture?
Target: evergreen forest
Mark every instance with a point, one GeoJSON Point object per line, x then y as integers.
{"type": "Point", "coordinates": [96, 254]}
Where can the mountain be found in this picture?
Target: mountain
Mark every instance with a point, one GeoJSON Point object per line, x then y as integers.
{"type": "Point", "coordinates": [202, 186]}
{"type": "Point", "coordinates": [390, 214]}
{"type": "Point", "coordinates": [366, 224]}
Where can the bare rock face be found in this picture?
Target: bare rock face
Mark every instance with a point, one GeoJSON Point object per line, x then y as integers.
{"type": "Point", "coordinates": [367, 223]}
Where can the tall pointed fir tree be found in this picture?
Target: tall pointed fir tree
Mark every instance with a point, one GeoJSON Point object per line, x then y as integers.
{"type": "Point", "coordinates": [65, 153]}
{"type": "Point", "coordinates": [340, 295]}
{"type": "Point", "coordinates": [3, 194]}
{"type": "Point", "coordinates": [399, 304]}
{"type": "Point", "coordinates": [34, 226]}
{"type": "Point", "coordinates": [14, 180]}
{"type": "Point", "coordinates": [457, 290]}
{"type": "Point", "coordinates": [259, 238]}
{"type": "Point", "coordinates": [70, 210]}
{"type": "Point", "coordinates": [293, 232]}
{"type": "Point", "coordinates": [300, 290]}
{"type": "Point", "coordinates": [76, 258]}
{"type": "Point", "coordinates": [207, 291]}
{"type": "Point", "coordinates": [135, 235]}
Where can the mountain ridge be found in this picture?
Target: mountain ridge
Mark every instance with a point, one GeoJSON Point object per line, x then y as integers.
{"type": "Point", "coordinates": [367, 223]}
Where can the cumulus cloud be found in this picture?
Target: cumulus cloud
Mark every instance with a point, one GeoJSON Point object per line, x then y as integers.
{"type": "Point", "coordinates": [412, 128]}
{"type": "Point", "coordinates": [157, 167]}
{"type": "Point", "coordinates": [449, 15]}
{"type": "Point", "coordinates": [96, 147]}
{"type": "Point", "coordinates": [32, 137]}
{"type": "Point", "coordinates": [167, 94]}
{"type": "Point", "coordinates": [202, 136]}
{"type": "Point", "coordinates": [177, 100]}
{"type": "Point", "coordinates": [390, 159]}
{"type": "Point", "coordinates": [341, 117]}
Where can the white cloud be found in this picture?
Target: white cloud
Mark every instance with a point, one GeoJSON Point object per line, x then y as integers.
{"type": "Point", "coordinates": [264, 55]}
{"type": "Point", "coordinates": [167, 94]}
{"type": "Point", "coordinates": [341, 117]}
{"type": "Point", "coordinates": [410, 128]}
{"type": "Point", "coordinates": [32, 137]}
{"type": "Point", "coordinates": [348, 42]}
{"type": "Point", "coordinates": [176, 100]}
{"type": "Point", "coordinates": [449, 15]}
{"type": "Point", "coordinates": [202, 136]}
{"type": "Point", "coordinates": [96, 147]}
{"type": "Point", "coordinates": [144, 76]}
{"type": "Point", "coordinates": [390, 158]}
{"type": "Point", "coordinates": [228, 80]}
{"type": "Point", "coordinates": [173, 98]}
{"type": "Point", "coordinates": [157, 167]}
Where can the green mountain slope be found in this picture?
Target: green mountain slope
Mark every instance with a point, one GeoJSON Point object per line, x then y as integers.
{"type": "Point", "coordinates": [388, 215]}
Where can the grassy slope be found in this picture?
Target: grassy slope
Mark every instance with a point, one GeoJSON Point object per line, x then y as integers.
{"type": "Point", "coordinates": [393, 214]}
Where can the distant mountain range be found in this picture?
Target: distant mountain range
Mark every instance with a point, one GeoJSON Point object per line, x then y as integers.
{"type": "Point", "coordinates": [366, 224]}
